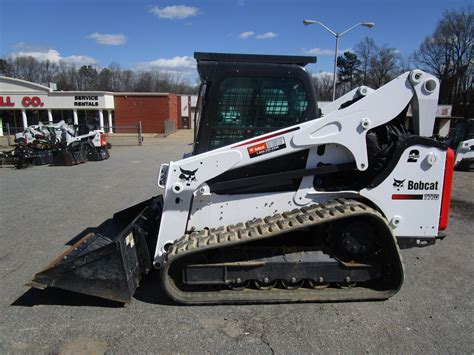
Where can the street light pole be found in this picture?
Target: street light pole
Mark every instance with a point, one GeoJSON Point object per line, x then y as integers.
{"type": "Point", "coordinates": [335, 66]}
{"type": "Point", "coordinates": [337, 35]}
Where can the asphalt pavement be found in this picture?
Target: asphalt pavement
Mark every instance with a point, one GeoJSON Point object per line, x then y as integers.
{"type": "Point", "coordinates": [42, 208]}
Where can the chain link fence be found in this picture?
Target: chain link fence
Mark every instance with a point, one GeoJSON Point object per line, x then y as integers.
{"type": "Point", "coordinates": [125, 135]}
{"type": "Point", "coordinates": [170, 127]}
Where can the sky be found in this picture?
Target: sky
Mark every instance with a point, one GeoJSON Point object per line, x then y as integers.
{"type": "Point", "coordinates": [163, 35]}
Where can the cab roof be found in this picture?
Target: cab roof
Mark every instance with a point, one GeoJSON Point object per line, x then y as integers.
{"type": "Point", "coordinates": [253, 58]}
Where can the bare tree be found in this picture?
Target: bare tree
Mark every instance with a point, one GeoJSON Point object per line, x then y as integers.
{"type": "Point", "coordinates": [448, 53]}
{"type": "Point", "coordinates": [145, 82]}
{"type": "Point", "coordinates": [87, 77]}
{"type": "Point", "coordinates": [127, 80]}
{"type": "Point", "coordinates": [384, 66]}
{"type": "Point", "coordinates": [365, 51]}
{"type": "Point", "coordinates": [405, 63]}
{"type": "Point", "coordinates": [5, 68]}
{"type": "Point", "coordinates": [25, 68]}
{"type": "Point", "coordinates": [323, 84]}
{"type": "Point", "coordinates": [67, 77]}
{"type": "Point", "coordinates": [115, 78]}
{"type": "Point", "coordinates": [47, 71]}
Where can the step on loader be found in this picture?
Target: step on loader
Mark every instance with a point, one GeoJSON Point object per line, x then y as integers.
{"type": "Point", "coordinates": [277, 202]}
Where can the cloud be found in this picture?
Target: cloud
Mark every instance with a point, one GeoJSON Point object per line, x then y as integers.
{"type": "Point", "coordinates": [175, 12]}
{"type": "Point", "coordinates": [325, 51]}
{"type": "Point", "coordinates": [267, 35]}
{"type": "Point", "coordinates": [79, 60]}
{"type": "Point", "coordinates": [108, 38]}
{"type": "Point", "coordinates": [55, 57]}
{"type": "Point", "coordinates": [247, 34]}
{"type": "Point", "coordinates": [322, 74]}
{"type": "Point", "coordinates": [177, 64]}
{"type": "Point", "coordinates": [241, 3]}
{"type": "Point", "coordinates": [319, 51]}
{"type": "Point", "coordinates": [23, 46]}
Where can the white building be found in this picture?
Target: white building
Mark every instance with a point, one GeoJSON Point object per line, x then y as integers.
{"type": "Point", "coordinates": [188, 108]}
{"type": "Point", "coordinates": [23, 103]}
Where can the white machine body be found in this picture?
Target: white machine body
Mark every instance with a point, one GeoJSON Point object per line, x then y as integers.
{"type": "Point", "coordinates": [465, 153]}
{"type": "Point", "coordinates": [409, 196]}
{"type": "Point", "coordinates": [61, 132]}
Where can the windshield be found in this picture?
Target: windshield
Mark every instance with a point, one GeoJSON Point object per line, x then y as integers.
{"type": "Point", "coordinates": [251, 106]}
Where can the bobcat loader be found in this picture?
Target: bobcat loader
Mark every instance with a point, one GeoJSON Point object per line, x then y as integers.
{"type": "Point", "coordinates": [58, 144]}
{"type": "Point", "coordinates": [278, 203]}
{"type": "Point", "coordinates": [462, 142]}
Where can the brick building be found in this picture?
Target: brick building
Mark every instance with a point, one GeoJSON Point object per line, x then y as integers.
{"type": "Point", "coordinates": [152, 109]}
{"type": "Point", "coordinates": [24, 103]}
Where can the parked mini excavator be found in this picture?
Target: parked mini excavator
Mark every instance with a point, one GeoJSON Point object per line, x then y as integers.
{"type": "Point", "coordinates": [278, 203]}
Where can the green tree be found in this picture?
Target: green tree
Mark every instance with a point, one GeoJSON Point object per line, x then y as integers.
{"type": "Point", "coordinates": [347, 71]}
{"type": "Point", "coordinates": [104, 80]}
{"type": "Point", "coordinates": [87, 78]}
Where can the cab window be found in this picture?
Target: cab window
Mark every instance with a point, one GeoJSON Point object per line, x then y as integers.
{"type": "Point", "coordinates": [248, 107]}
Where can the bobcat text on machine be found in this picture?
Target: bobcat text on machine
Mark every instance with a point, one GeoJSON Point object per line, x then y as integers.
{"type": "Point", "coordinates": [278, 203]}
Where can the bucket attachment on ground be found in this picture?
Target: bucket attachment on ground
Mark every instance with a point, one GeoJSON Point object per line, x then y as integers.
{"type": "Point", "coordinates": [43, 157]}
{"type": "Point", "coordinates": [95, 153]}
{"type": "Point", "coordinates": [69, 157]}
{"type": "Point", "coordinates": [110, 261]}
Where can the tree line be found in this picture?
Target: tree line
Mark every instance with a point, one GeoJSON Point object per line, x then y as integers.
{"type": "Point", "coordinates": [89, 78]}
{"type": "Point", "coordinates": [447, 53]}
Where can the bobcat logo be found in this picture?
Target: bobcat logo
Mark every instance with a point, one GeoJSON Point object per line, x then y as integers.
{"type": "Point", "coordinates": [398, 184]}
{"type": "Point", "coordinates": [188, 175]}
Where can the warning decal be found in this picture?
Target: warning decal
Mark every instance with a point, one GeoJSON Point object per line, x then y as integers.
{"type": "Point", "coordinates": [266, 147]}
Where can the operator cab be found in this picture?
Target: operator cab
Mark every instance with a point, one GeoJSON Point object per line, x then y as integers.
{"type": "Point", "coordinates": [243, 96]}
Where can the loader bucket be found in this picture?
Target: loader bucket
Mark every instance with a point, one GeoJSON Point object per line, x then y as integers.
{"type": "Point", "coordinates": [110, 261]}
{"type": "Point", "coordinates": [68, 158]}
{"type": "Point", "coordinates": [96, 153]}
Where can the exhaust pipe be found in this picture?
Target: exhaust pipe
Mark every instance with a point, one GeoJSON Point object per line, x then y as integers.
{"type": "Point", "coordinates": [109, 262]}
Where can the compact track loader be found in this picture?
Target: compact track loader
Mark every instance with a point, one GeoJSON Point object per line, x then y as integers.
{"type": "Point", "coordinates": [57, 144]}
{"type": "Point", "coordinates": [278, 203]}
{"type": "Point", "coordinates": [462, 141]}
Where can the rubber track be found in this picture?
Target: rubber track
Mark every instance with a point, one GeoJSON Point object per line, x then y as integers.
{"type": "Point", "coordinates": [258, 229]}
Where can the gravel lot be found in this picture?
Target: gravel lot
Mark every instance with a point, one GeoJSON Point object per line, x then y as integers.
{"type": "Point", "coordinates": [42, 208]}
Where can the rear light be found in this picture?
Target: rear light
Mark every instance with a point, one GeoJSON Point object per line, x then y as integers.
{"type": "Point", "coordinates": [103, 140]}
{"type": "Point", "coordinates": [447, 187]}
